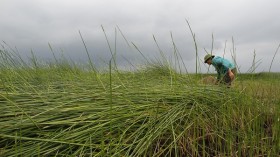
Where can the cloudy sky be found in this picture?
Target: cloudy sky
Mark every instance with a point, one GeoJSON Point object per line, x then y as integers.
{"type": "Point", "coordinates": [234, 26]}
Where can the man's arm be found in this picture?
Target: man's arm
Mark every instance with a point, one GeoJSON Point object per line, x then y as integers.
{"type": "Point", "coordinates": [231, 74]}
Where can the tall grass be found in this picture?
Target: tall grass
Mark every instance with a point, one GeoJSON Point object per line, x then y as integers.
{"type": "Point", "coordinates": [195, 45]}
{"type": "Point", "coordinates": [274, 57]}
{"type": "Point", "coordinates": [57, 109]}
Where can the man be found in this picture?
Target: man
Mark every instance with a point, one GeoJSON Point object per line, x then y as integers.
{"type": "Point", "coordinates": [226, 70]}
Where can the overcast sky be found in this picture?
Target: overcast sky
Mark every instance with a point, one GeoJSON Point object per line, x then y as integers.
{"type": "Point", "coordinates": [254, 25]}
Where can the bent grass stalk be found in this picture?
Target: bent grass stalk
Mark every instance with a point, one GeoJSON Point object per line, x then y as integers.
{"type": "Point", "coordinates": [195, 45]}
{"type": "Point", "coordinates": [90, 61]}
{"type": "Point", "coordinates": [273, 58]}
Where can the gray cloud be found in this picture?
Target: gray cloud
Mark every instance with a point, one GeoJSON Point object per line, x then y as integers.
{"type": "Point", "coordinates": [253, 24]}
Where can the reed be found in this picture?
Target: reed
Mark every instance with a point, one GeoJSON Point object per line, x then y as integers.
{"type": "Point", "coordinates": [57, 109]}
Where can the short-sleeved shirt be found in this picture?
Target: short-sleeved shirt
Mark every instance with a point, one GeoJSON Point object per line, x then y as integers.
{"type": "Point", "coordinates": [222, 65]}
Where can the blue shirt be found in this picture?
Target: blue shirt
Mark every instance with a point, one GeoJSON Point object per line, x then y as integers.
{"type": "Point", "coordinates": [222, 65]}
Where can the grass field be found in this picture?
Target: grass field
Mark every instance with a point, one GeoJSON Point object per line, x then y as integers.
{"type": "Point", "coordinates": [62, 110]}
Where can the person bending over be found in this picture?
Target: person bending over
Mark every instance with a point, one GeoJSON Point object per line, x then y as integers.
{"type": "Point", "coordinates": [226, 70]}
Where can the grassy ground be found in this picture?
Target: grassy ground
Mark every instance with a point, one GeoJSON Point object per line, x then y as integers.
{"type": "Point", "coordinates": [65, 111]}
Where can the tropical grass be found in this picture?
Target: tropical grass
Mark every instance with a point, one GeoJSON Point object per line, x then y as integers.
{"type": "Point", "coordinates": [62, 110]}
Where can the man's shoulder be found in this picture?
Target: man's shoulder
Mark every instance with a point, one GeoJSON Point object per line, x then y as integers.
{"type": "Point", "coordinates": [217, 59]}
